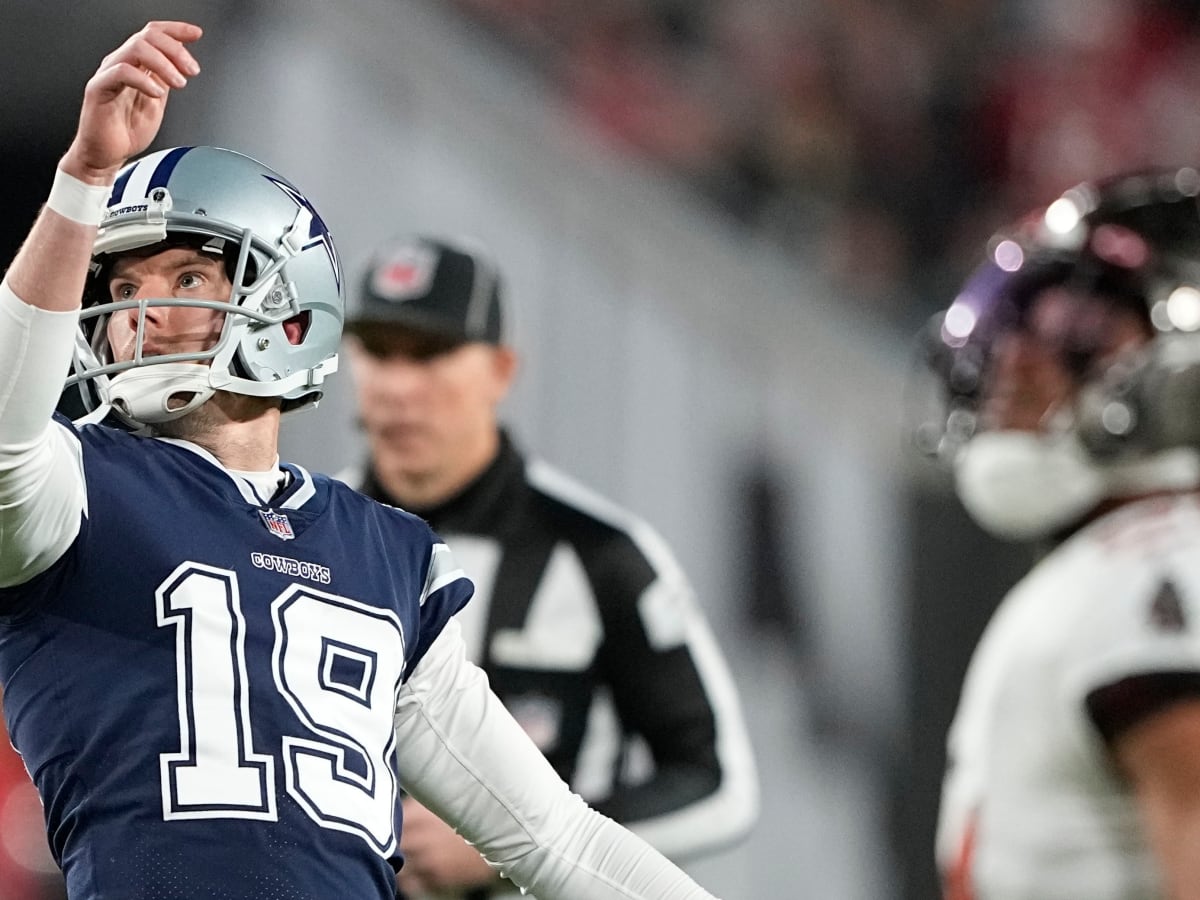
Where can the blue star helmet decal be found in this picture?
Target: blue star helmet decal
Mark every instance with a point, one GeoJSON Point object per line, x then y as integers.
{"type": "Point", "coordinates": [318, 233]}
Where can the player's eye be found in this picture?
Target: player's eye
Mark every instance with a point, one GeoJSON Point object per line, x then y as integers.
{"type": "Point", "coordinates": [122, 290]}
{"type": "Point", "coordinates": [189, 281]}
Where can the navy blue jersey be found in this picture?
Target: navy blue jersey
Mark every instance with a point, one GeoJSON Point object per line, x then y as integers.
{"type": "Point", "coordinates": [203, 686]}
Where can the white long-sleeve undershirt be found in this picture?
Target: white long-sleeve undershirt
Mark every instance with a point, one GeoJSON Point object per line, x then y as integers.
{"type": "Point", "coordinates": [462, 755]}
{"type": "Point", "coordinates": [42, 490]}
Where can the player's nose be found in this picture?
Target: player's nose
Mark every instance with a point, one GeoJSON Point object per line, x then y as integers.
{"type": "Point", "coordinates": [147, 319]}
{"type": "Point", "coordinates": [153, 289]}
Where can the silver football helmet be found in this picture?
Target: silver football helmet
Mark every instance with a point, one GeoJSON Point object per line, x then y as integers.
{"type": "Point", "coordinates": [1134, 425]}
{"type": "Point", "coordinates": [282, 264]}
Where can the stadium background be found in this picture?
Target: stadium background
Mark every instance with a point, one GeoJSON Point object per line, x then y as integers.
{"type": "Point", "coordinates": [721, 223]}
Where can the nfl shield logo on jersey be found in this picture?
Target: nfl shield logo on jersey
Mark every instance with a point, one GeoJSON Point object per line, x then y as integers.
{"type": "Point", "coordinates": [277, 524]}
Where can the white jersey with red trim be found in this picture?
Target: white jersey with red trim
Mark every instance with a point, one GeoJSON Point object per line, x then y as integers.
{"type": "Point", "coordinates": [1032, 804]}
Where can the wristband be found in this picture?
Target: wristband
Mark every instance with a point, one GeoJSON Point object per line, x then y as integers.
{"type": "Point", "coordinates": [77, 200]}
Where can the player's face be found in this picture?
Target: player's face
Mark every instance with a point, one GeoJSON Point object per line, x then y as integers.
{"type": "Point", "coordinates": [429, 406]}
{"type": "Point", "coordinates": [177, 272]}
{"type": "Point", "coordinates": [1031, 376]}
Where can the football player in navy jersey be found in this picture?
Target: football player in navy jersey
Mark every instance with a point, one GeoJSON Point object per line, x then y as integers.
{"type": "Point", "coordinates": [219, 668]}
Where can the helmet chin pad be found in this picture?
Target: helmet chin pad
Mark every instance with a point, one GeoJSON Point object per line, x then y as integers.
{"type": "Point", "coordinates": [1023, 486]}
{"type": "Point", "coordinates": [159, 393]}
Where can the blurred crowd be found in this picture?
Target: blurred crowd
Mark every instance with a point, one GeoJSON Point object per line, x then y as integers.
{"type": "Point", "coordinates": [880, 141]}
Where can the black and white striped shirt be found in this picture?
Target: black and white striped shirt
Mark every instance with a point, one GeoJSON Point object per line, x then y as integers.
{"type": "Point", "coordinates": [590, 634]}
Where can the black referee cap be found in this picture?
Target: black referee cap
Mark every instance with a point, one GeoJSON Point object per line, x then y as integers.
{"type": "Point", "coordinates": [448, 288]}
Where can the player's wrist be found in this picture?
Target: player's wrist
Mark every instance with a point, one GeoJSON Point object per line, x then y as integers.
{"type": "Point", "coordinates": [77, 199]}
{"type": "Point", "coordinates": [75, 162]}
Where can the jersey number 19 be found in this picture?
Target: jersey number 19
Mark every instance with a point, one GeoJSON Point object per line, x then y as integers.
{"type": "Point", "coordinates": [335, 661]}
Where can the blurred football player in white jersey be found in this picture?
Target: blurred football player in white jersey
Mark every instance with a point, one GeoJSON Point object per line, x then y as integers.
{"type": "Point", "coordinates": [1070, 369]}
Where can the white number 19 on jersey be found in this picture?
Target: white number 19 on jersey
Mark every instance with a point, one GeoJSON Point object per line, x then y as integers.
{"type": "Point", "coordinates": [337, 662]}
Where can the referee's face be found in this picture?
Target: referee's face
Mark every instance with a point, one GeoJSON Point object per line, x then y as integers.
{"type": "Point", "coordinates": [429, 409]}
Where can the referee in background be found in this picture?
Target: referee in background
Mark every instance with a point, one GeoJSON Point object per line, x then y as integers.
{"type": "Point", "coordinates": [582, 618]}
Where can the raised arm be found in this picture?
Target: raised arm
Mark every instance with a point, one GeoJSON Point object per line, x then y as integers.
{"type": "Point", "coordinates": [42, 493]}
{"type": "Point", "coordinates": [123, 106]}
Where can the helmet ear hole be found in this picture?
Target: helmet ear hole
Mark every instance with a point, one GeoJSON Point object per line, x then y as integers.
{"type": "Point", "coordinates": [296, 328]}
